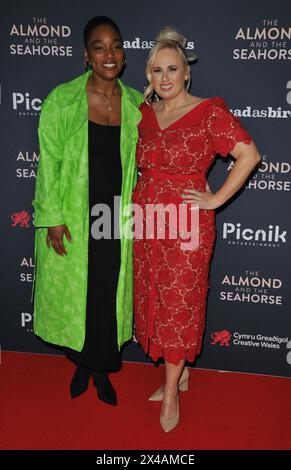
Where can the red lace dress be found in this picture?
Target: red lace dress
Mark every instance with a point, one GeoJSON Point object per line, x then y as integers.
{"type": "Point", "coordinates": [171, 284]}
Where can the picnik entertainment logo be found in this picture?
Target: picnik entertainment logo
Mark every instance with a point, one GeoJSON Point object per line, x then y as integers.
{"type": "Point", "coordinates": [272, 236]}
{"type": "Point", "coordinates": [27, 321]}
{"type": "Point", "coordinates": [25, 104]}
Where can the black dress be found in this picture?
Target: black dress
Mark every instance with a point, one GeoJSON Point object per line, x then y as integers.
{"type": "Point", "coordinates": [100, 351]}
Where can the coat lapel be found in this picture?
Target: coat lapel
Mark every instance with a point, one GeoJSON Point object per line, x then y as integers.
{"type": "Point", "coordinates": [130, 114]}
{"type": "Point", "coordinates": [80, 116]}
{"type": "Point", "coordinates": [81, 110]}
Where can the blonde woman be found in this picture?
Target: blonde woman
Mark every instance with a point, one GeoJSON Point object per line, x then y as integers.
{"type": "Point", "coordinates": [179, 136]}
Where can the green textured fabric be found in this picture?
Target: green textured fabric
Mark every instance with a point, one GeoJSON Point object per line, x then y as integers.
{"type": "Point", "coordinates": [62, 197]}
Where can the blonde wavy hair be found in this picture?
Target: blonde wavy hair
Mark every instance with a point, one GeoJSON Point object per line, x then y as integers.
{"type": "Point", "coordinates": [168, 38]}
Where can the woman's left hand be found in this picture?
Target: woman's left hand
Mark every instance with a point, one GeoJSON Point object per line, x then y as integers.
{"type": "Point", "coordinates": [206, 200]}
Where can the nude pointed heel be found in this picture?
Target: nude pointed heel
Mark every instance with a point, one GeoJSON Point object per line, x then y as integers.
{"type": "Point", "coordinates": [168, 424]}
{"type": "Point", "coordinates": [184, 386]}
{"type": "Point", "coordinates": [158, 395]}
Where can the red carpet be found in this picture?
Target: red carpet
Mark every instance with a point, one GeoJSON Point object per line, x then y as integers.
{"type": "Point", "coordinates": [221, 410]}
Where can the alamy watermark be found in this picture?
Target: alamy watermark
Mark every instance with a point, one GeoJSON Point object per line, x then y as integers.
{"type": "Point", "coordinates": [148, 221]}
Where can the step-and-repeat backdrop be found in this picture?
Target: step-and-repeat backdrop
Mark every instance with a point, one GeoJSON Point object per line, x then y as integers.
{"type": "Point", "coordinates": [244, 56]}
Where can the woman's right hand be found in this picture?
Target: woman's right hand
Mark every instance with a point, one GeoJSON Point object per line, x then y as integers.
{"type": "Point", "coordinates": [55, 238]}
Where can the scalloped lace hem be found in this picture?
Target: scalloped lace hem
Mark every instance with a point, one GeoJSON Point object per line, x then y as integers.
{"type": "Point", "coordinates": [173, 356]}
{"type": "Point", "coordinates": [229, 144]}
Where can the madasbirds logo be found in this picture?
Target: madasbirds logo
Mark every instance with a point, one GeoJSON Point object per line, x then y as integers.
{"type": "Point", "coordinates": [266, 40]}
{"type": "Point", "coordinates": [39, 37]}
{"type": "Point", "coordinates": [142, 43]}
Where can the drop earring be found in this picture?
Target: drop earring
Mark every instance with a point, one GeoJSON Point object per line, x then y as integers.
{"type": "Point", "coordinates": [188, 83]}
{"type": "Point", "coordinates": [87, 65]}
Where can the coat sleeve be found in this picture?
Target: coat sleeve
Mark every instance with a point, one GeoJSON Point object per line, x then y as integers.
{"type": "Point", "coordinates": [47, 202]}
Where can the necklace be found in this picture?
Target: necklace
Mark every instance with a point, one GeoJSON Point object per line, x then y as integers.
{"type": "Point", "coordinates": [108, 99]}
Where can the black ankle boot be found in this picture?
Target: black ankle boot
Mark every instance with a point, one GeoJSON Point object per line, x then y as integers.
{"type": "Point", "coordinates": [80, 381]}
{"type": "Point", "coordinates": [105, 390]}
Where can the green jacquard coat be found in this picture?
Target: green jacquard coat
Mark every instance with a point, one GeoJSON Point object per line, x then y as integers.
{"type": "Point", "coordinates": [62, 197]}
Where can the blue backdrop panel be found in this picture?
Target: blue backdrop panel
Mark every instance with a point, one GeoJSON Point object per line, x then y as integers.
{"type": "Point", "coordinates": [244, 56]}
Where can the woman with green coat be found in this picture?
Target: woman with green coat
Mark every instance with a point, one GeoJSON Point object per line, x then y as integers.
{"type": "Point", "coordinates": [83, 276]}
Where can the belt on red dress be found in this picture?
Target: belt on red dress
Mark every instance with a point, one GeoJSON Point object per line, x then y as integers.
{"type": "Point", "coordinates": [155, 174]}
